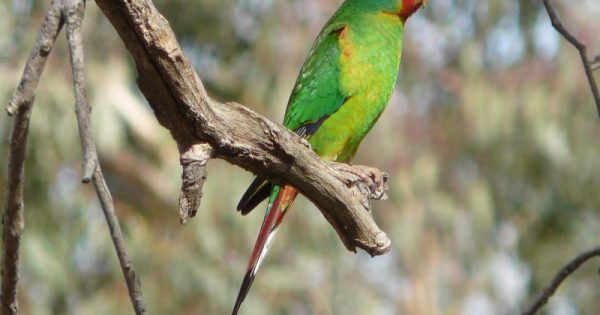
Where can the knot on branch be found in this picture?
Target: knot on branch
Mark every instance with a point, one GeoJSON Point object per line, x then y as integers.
{"type": "Point", "coordinates": [193, 161]}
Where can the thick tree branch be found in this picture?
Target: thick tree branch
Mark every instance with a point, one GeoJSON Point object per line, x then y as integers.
{"type": "Point", "coordinates": [20, 104]}
{"type": "Point", "coordinates": [237, 134]}
{"type": "Point", "coordinates": [588, 65]}
{"type": "Point", "coordinates": [562, 274]}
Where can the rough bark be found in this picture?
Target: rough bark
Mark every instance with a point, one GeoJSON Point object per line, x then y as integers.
{"type": "Point", "coordinates": [239, 135]}
{"type": "Point", "coordinates": [69, 12]}
{"type": "Point", "coordinates": [20, 105]}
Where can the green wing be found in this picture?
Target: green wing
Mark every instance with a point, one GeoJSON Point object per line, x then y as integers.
{"type": "Point", "coordinates": [315, 97]}
{"type": "Point", "coordinates": [317, 92]}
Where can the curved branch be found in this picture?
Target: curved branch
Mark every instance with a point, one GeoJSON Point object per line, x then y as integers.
{"type": "Point", "coordinates": [588, 65]}
{"type": "Point", "coordinates": [562, 274]}
{"type": "Point", "coordinates": [237, 134]}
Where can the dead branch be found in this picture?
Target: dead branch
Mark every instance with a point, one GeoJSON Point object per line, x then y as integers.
{"type": "Point", "coordinates": [588, 65]}
{"type": "Point", "coordinates": [132, 280]}
{"type": "Point", "coordinates": [193, 162]}
{"type": "Point", "coordinates": [21, 104]}
{"type": "Point", "coordinates": [202, 128]}
{"type": "Point", "coordinates": [562, 274]}
{"type": "Point", "coordinates": [71, 13]}
{"type": "Point", "coordinates": [238, 135]}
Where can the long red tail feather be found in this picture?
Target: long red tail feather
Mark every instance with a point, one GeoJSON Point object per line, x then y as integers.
{"type": "Point", "coordinates": [273, 218]}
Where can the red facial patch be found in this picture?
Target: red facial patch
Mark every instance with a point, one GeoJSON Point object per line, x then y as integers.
{"type": "Point", "coordinates": [409, 7]}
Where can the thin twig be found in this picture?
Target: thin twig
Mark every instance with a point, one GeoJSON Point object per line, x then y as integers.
{"type": "Point", "coordinates": [587, 64]}
{"type": "Point", "coordinates": [21, 104]}
{"type": "Point", "coordinates": [562, 274]}
{"type": "Point", "coordinates": [133, 282]}
{"type": "Point", "coordinates": [73, 11]}
{"type": "Point", "coordinates": [36, 61]}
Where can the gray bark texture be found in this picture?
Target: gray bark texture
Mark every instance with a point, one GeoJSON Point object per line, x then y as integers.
{"type": "Point", "coordinates": [239, 135]}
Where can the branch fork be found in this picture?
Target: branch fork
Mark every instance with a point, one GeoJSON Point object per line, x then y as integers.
{"type": "Point", "coordinates": [69, 12]}
{"type": "Point", "coordinates": [203, 129]}
{"type": "Point", "coordinates": [589, 65]}
{"type": "Point", "coordinates": [238, 134]}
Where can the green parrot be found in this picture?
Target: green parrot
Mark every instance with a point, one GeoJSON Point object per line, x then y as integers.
{"type": "Point", "coordinates": [343, 87]}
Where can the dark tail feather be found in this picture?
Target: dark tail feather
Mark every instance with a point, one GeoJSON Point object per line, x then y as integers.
{"type": "Point", "coordinates": [258, 191]}
{"type": "Point", "coordinates": [248, 279]}
{"type": "Point", "coordinates": [274, 216]}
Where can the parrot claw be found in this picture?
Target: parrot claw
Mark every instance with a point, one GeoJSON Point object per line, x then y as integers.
{"type": "Point", "coordinates": [370, 181]}
{"type": "Point", "coordinates": [377, 183]}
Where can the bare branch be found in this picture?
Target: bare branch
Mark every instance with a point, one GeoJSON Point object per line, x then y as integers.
{"type": "Point", "coordinates": [21, 104]}
{"type": "Point", "coordinates": [73, 12]}
{"type": "Point", "coordinates": [588, 65]}
{"type": "Point", "coordinates": [133, 282]}
{"type": "Point", "coordinates": [37, 59]}
{"type": "Point", "coordinates": [237, 134]}
{"type": "Point", "coordinates": [562, 274]}
{"type": "Point", "coordinates": [193, 177]}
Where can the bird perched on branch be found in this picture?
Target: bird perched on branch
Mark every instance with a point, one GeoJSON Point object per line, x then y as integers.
{"type": "Point", "coordinates": [343, 87]}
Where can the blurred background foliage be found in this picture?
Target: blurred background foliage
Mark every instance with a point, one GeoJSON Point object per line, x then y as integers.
{"type": "Point", "coordinates": [490, 140]}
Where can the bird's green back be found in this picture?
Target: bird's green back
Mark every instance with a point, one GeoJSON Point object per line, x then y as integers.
{"type": "Point", "coordinates": [344, 84]}
{"type": "Point", "coordinates": [342, 89]}
{"type": "Point", "coordinates": [347, 78]}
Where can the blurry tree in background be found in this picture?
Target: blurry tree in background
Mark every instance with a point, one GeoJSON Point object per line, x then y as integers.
{"type": "Point", "coordinates": [490, 140]}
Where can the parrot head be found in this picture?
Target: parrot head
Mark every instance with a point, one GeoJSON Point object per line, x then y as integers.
{"type": "Point", "coordinates": [408, 7]}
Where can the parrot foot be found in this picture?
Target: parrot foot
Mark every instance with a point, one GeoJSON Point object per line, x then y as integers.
{"type": "Point", "coordinates": [370, 180]}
